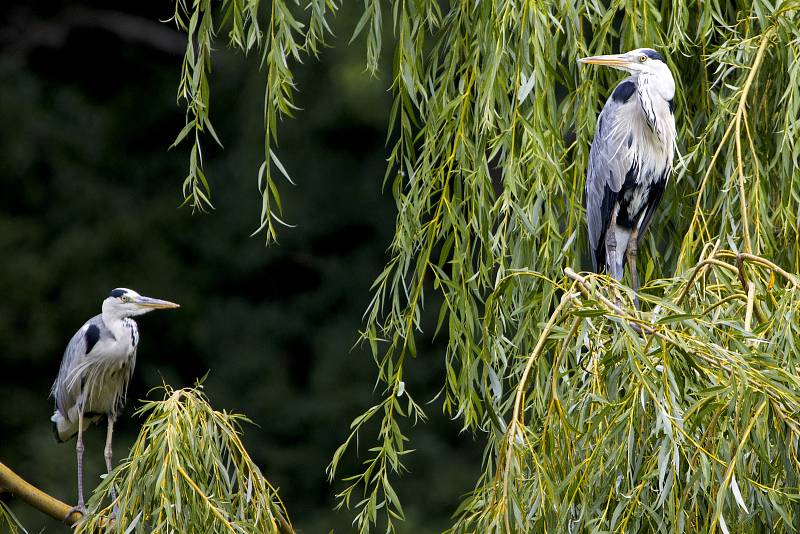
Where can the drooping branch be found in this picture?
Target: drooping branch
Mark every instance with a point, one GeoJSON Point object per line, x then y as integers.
{"type": "Point", "coordinates": [12, 483]}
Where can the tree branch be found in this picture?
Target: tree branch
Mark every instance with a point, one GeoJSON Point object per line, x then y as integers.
{"type": "Point", "coordinates": [10, 482]}
{"type": "Point", "coordinates": [26, 33]}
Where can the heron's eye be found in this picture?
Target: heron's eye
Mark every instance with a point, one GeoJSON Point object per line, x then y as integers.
{"type": "Point", "coordinates": [642, 58]}
{"type": "Point", "coordinates": [126, 298]}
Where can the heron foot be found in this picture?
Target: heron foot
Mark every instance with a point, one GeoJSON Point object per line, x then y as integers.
{"type": "Point", "coordinates": [80, 508]}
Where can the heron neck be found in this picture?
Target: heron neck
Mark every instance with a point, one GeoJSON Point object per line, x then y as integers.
{"type": "Point", "coordinates": [657, 85]}
{"type": "Point", "coordinates": [654, 96]}
{"type": "Point", "coordinates": [116, 323]}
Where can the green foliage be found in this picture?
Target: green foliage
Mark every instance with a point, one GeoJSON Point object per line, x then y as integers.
{"type": "Point", "coordinates": [285, 39]}
{"type": "Point", "coordinates": [588, 423]}
{"type": "Point", "coordinates": [691, 426]}
{"type": "Point", "coordinates": [187, 472]}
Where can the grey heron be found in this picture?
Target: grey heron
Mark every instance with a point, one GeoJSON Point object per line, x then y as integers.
{"type": "Point", "coordinates": [95, 370]}
{"type": "Point", "coordinates": [630, 159]}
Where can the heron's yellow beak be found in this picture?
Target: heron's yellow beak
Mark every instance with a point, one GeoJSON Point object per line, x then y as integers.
{"type": "Point", "coordinates": [615, 60]}
{"type": "Point", "coordinates": [147, 302]}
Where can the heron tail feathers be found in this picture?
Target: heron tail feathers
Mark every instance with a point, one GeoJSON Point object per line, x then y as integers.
{"type": "Point", "coordinates": [65, 430]}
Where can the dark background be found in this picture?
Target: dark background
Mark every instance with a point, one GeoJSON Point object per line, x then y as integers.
{"type": "Point", "coordinates": [89, 201]}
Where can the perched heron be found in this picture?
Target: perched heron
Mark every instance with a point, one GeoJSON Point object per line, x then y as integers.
{"type": "Point", "coordinates": [630, 160]}
{"type": "Point", "coordinates": [95, 371]}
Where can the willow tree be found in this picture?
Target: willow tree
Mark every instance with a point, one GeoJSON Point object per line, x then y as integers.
{"type": "Point", "coordinates": [689, 422]}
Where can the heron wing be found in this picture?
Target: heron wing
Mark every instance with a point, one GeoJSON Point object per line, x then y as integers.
{"type": "Point", "coordinates": [610, 159]}
{"type": "Point", "coordinates": [66, 388]}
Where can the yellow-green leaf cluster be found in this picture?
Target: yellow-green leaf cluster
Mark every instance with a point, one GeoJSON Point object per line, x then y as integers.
{"type": "Point", "coordinates": [187, 472]}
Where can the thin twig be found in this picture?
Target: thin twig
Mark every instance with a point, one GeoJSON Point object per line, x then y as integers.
{"type": "Point", "coordinates": [702, 265]}
{"type": "Point", "coordinates": [740, 111]}
{"type": "Point", "coordinates": [582, 284]}
{"type": "Point", "coordinates": [536, 351]}
{"type": "Point", "coordinates": [766, 263]}
{"type": "Point", "coordinates": [701, 191]}
{"type": "Point", "coordinates": [736, 123]}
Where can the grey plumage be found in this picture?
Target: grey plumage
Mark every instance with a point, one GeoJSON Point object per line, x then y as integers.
{"type": "Point", "coordinates": [94, 373]}
{"type": "Point", "coordinates": [630, 159]}
{"type": "Point", "coordinates": [96, 369]}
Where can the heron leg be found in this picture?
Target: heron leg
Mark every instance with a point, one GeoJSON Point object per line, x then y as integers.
{"type": "Point", "coordinates": [80, 507]}
{"type": "Point", "coordinates": [630, 253]}
{"type": "Point", "coordinates": [109, 455]}
{"type": "Point", "coordinates": [79, 453]}
{"type": "Point", "coordinates": [611, 251]}
{"type": "Point", "coordinates": [613, 267]}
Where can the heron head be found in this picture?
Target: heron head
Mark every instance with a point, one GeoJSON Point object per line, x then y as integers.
{"type": "Point", "coordinates": [641, 60]}
{"type": "Point", "coordinates": [123, 302]}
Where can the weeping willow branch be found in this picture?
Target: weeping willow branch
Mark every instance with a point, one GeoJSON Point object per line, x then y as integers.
{"type": "Point", "coordinates": [564, 456]}
{"type": "Point", "coordinates": [281, 39]}
{"type": "Point", "coordinates": [188, 471]}
{"type": "Point", "coordinates": [726, 481]}
{"type": "Point", "coordinates": [12, 483]}
{"type": "Point", "coordinates": [730, 117]}
{"type": "Point", "coordinates": [741, 113]}
{"type": "Point", "coordinates": [775, 268]}
{"type": "Point", "coordinates": [516, 419]}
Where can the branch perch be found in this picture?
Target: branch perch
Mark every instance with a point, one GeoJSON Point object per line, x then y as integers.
{"type": "Point", "coordinates": [10, 482]}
